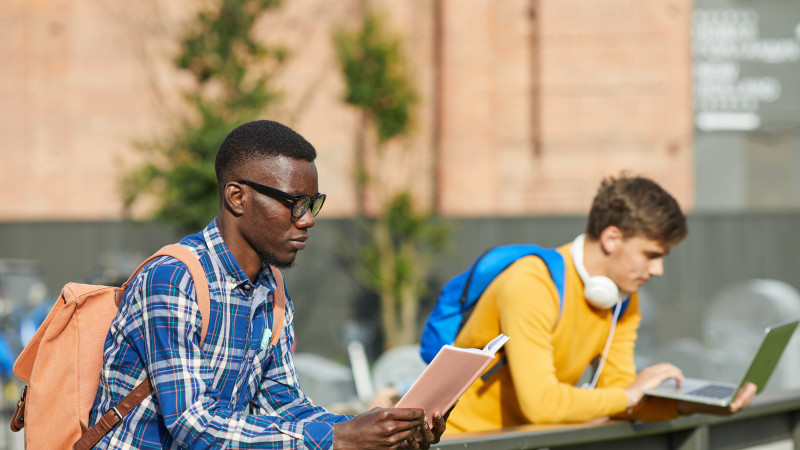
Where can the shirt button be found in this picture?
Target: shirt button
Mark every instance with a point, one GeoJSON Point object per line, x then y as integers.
{"type": "Point", "coordinates": [246, 287]}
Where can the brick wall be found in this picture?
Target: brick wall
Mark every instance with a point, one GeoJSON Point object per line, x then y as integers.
{"type": "Point", "coordinates": [544, 98]}
{"type": "Point", "coordinates": [539, 100]}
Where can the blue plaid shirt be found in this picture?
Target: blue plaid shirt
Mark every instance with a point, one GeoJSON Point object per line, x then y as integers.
{"type": "Point", "coordinates": [237, 391]}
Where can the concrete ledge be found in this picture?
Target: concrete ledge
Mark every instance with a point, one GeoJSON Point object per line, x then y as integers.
{"type": "Point", "coordinates": [771, 417]}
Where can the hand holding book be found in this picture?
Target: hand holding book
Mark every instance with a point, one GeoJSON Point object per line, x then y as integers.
{"type": "Point", "coordinates": [448, 376]}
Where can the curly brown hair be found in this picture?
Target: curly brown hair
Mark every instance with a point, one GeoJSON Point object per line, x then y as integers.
{"type": "Point", "coordinates": [638, 207]}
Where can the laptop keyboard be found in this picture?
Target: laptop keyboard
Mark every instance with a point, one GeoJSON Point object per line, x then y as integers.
{"type": "Point", "coordinates": [713, 391]}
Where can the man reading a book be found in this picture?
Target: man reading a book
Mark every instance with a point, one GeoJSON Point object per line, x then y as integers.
{"type": "Point", "coordinates": [632, 225]}
{"type": "Point", "coordinates": [239, 389]}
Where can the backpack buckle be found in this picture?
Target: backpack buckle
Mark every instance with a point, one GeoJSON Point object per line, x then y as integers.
{"type": "Point", "coordinates": [116, 413]}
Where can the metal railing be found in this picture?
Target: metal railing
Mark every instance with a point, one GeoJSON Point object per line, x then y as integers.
{"type": "Point", "coordinates": [773, 416]}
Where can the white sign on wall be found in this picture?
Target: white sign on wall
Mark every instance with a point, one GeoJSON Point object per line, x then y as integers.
{"type": "Point", "coordinates": [744, 66]}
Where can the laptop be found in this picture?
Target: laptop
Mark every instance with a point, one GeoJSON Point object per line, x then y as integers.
{"type": "Point", "coordinates": [775, 339]}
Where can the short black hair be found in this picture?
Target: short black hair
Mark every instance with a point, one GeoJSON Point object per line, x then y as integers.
{"type": "Point", "coordinates": [258, 139]}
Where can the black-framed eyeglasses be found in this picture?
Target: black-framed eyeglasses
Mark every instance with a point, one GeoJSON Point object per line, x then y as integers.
{"type": "Point", "coordinates": [300, 202]}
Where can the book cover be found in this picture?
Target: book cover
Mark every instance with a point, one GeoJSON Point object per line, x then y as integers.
{"type": "Point", "coordinates": [448, 376]}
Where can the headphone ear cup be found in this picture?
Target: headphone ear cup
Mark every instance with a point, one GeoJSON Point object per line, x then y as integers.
{"type": "Point", "coordinates": [601, 292]}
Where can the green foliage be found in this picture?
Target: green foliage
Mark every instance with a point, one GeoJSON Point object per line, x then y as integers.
{"type": "Point", "coordinates": [395, 263]}
{"type": "Point", "coordinates": [413, 237]}
{"type": "Point", "coordinates": [376, 76]}
{"type": "Point", "coordinates": [230, 73]}
{"type": "Point", "coordinates": [397, 257]}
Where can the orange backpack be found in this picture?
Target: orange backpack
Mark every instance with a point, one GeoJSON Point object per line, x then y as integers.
{"type": "Point", "coordinates": [63, 361]}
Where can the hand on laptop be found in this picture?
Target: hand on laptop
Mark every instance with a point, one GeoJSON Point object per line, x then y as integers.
{"type": "Point", "coordinates": [741, 401]}
{"type": "Point", "coordinates": [649, 378]}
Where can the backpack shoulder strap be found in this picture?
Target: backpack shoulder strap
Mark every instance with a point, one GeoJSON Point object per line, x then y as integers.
{"type": "Point", "coordinates": [555, 265]}
{"type": "Point", "coordinates": [279, 305]}
{"type": "Point", "coordinates": [495, 260]}
{"type": "Point", "coordinates": [91, 436]}
{"type": "Point", "coordinates": [184, 255]}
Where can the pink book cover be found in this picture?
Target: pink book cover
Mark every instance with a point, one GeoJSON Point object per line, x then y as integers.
{"type": "Point", "coordinates": [448, 376]}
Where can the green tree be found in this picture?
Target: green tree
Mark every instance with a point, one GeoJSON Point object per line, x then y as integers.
{"type": "Point", "coordinates": [402, 242]}
{"type": "Point", "coordinates": [230, 74]}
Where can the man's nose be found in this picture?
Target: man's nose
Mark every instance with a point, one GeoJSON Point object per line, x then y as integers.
{"type": "Point", "coordinates": [306, 220]}
{"type": "Point", "coordinates": [657, 267]}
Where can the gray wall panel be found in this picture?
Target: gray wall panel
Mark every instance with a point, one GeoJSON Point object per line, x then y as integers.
{"type": "Point", "coordinates": [720, 249]}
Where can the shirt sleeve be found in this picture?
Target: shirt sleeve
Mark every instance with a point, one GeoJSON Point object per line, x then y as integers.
{"type": "Point", "coordinates": [279, 394]}
{"type": "Point", "coordinates": [183, 381]}
{"type": "Point", "coordinates": [528, 311]}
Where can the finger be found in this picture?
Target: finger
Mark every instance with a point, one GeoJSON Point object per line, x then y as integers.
{"type": "Point", "coordinates": [666, 371]}
{"type": "Point", "coordinates": [399, 430]}
{"type": "Point", "coordinates": [395, 426]}
{"type": "Point", "coordinates": [412, 442]}
{"type": "Point", "coordinates": [656, 375]}
{"type": "Point", "coordinates": [744, 397]}
{"type": "Point", "coordinates": [405, 413]}
{"type": "Point", "coordinates": [669, 370]}
{"type": "Point", "coordinates": [439, 424]}
{"type": "Point", "coordinates": [746, 393]}
{"type": "Point", "coordinates": [677, 374]}
{"type": "Point", "coordinates": [400, 439]}
{"type": "Point", "coordinates": [427, 434]}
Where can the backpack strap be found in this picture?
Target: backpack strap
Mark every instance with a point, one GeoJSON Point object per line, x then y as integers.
{"type": "Point", "coordinates": [184, 255]}
{"type": "Point", "coordinates": [502, 257]}
{"type": "Point", "coordinates": [555, 265]}
{"type": "Point", "coordinates": [279, 305]}
{"type": "Point", "coordinates": [91, 436]}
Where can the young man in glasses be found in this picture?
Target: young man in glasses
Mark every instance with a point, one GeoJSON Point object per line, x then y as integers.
{"type": "Point", "coordinates": [239, 390]}
{"type": "Point", "coordinates": [632, 225]}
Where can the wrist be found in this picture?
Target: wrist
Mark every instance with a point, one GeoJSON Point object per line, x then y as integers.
{"type": "Point", "coordinates": [634, 396]}
{"type": "Point", "coordinates": [337, 431]}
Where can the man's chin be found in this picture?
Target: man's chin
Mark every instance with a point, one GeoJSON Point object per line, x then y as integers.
{"type": "Point", "coordinates": [630, 290]}
{"type": "Point", "coordinates": [272, 259]}
{"type": "Point", "coordinates": [285, 264]}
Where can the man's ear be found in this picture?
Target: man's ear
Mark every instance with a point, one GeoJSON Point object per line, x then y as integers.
{"type": "Point", "coordinates": [610, 239]}
{"type": "Point", "coordinates": [233, 197]}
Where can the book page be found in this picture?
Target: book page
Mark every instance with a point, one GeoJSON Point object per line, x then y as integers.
{"type": "Point", "coordinates": [495, 344]}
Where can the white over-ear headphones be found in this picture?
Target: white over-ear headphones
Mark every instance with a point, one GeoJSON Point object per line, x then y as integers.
{"type": "Point", "coordinates": [601, 292]}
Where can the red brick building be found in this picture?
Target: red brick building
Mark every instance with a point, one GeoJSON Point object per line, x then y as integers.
{"type": "Point", "coordinates": [525, 104]}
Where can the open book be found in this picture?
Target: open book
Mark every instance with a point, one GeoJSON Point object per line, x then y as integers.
{"type": "Point", "coordinates": [448, 376]}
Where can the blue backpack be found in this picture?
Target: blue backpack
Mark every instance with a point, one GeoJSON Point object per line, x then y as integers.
{"type": "Point", "coordinates": [459, 296]}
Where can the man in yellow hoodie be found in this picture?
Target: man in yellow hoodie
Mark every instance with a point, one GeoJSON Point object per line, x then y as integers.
{"type": "Point", "coordinates": [632, 225]}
